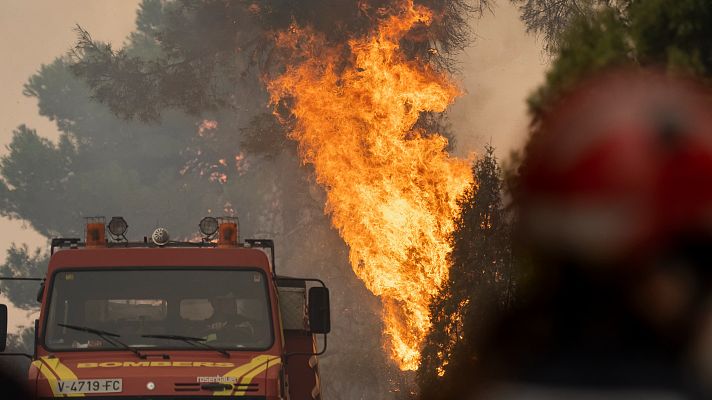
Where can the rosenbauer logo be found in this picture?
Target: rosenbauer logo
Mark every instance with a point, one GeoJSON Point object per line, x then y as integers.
{"type": "Point", "coordinates": [115, 364]}
{"type": "Point", "coordinates": [217, 379]}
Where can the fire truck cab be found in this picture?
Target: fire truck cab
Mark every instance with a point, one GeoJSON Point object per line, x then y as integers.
{"type": "Point", "coordinates": [174, 320]}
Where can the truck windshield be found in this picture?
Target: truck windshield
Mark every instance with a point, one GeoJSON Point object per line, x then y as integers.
{"type": "Point", "coordinates": [224, 308]}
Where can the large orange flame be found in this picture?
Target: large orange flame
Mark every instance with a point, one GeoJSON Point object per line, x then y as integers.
{"type": "Point", "coordinates": [391, 189]}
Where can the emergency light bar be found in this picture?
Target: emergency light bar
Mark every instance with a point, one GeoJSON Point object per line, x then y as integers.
{"type": "Point", "coordinates": [225, 229]}
{"type": "Point", "coordinates": [227, 232]}
{"type": "Point", "coordinates": [95, 232]}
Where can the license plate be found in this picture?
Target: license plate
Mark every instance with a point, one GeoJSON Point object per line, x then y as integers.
{"type": "Point", "coordinates": [90, 386]}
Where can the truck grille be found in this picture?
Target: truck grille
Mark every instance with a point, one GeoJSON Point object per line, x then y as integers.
{"type": "Point", "coordinates": [197, 387]}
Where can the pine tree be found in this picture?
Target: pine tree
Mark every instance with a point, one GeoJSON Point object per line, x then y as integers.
{"type": "Point", "coordinates": [670, 35]}
{"type": "Point", "coordinates": [479, 282]}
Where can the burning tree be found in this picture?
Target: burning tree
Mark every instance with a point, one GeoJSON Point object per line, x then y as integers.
{"type": "Point", "coordinates": [390, 189]}
{"type": "Point", "coordinates": [479, 285]}
{"type": "Point", "coordinates": [212, 56]}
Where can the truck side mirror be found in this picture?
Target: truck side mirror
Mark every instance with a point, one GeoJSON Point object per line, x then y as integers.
{"type": "Point", "coordinates": [40, 292]}
{"type": "Point", "coordinates": [319, 310]}
{"type": "Point", "coordinates": [3, 327]}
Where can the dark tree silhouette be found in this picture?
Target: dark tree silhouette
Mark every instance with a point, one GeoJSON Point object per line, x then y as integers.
{"type": "Point", "coordinates": [551, 18]}
{"type": "Point", "coordinates": [480, 284]}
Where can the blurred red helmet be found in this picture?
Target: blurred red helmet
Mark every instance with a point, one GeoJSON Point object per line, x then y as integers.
{"type": "Point", "coordinates": [621, 164]}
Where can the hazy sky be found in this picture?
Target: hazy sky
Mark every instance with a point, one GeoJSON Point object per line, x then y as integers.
{"type": "Point", "coordinates": [32, 33]}
{"type": "Point", "coordinates": [499, 70]}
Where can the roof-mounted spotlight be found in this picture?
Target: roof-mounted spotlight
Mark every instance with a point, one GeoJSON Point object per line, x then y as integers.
{"type": "Point", "coordinates": [117, 228]}
{"type": "Point", "coordinates": [208, 227]}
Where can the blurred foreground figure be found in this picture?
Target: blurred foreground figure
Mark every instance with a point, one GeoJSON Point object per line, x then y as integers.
{"type": "Point", "coordinates": [13, 378]}
{"type": "Point", "coordinates": [616, 240]}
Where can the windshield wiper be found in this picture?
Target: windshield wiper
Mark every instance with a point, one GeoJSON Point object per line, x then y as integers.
{"type": "Point", "coordinates": [194, 341]}
{"type": "Point", "coordinates": [109, 337]}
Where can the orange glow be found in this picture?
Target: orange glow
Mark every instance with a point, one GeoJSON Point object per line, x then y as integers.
{"type": "Point", "coordinates": [206, 126]}
{"type": "Point", "coordinates": [391, 188]}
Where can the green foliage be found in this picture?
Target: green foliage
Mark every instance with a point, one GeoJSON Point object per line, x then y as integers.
{"type": "Point", "coordinates": [27, 190]}
{"type": "Point", "coordinates": [194, 66]}
{"type": "Point", "coordinates": [673, 34]}
{"type": "Point", "coordinates": [479, 284]}
{"type": "Point", "coordinates": [655, 33]}
{"type": "Point", "coordinates": [20, 262]}
{"type": "Point", "coordinates": [589, 45]}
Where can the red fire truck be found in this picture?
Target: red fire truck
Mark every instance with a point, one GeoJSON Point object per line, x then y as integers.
{"type": "Point", "coordinates": [162, 319]}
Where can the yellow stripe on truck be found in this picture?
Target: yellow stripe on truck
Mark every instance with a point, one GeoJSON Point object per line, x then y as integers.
{"type": "Point", "coordinates": [248, 377]}
{"type": "Point", "coordinates": [237, 373]}
{"type": "Point", "coordinates": [53, 369]}
{"type": "Point", "coordinates": [49, 375]}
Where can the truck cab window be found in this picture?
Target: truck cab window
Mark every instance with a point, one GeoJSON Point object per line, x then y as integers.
{"type": "Point", "coordinates": [229, 308]}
